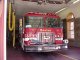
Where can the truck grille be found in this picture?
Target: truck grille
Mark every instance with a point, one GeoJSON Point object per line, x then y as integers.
{"type": "Point", "coordinates": [46, 37]}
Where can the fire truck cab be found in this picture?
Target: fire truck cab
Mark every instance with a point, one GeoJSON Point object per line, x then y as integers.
{"type": "Point", "coordinates": [41, 32]}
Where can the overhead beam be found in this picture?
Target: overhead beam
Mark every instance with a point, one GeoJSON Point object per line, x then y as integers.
{"type": "Point", "coordinates": [50, 1]}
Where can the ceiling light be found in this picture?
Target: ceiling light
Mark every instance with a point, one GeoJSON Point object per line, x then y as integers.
{"type": "Point", "coordinates": [61, 10]}
{"type": "Point", "coordinates": [76, 1]}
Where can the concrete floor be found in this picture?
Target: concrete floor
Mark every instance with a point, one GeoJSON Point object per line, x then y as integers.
{"type": "Point", "coordinates": [70, 54]}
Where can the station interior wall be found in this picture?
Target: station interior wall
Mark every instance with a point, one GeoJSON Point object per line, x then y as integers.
{"type": "Point", "coordinates": [75, 9]}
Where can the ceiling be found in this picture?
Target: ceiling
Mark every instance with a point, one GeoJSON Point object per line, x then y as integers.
{"type": "Point", "coordinates": [49, 1]}
{"type": "Point", "coordinates": [22, 7]}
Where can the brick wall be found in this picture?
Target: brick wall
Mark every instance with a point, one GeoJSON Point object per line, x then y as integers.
{"type": "Point", "coordinates": [77, 32]}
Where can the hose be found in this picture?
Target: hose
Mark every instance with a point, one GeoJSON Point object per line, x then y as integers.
{"type": "Point", "coordinates": [13, 18]}
{"type": "Point", "coordinates": [10, 15]}
{"type": "Point", "coordinates": [11, 28]}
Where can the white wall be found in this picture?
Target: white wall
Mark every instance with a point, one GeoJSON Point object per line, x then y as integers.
{"type": "Point", "coordinates": [75, 8]}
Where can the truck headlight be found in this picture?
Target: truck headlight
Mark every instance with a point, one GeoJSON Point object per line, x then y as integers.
{"type": "Point", "coordinates": [58, 47]}
{"type": "Point", "coordinates": [39, 48]}
{"type": "Point", "coordinates": [25, 39]}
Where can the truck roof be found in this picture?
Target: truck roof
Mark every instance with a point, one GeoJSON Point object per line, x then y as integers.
{"type": "Point", "coordinates": [42, 14]}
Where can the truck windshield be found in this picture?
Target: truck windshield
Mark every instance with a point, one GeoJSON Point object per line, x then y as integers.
{"type": "Point", "coordinates": [34, 21]}
{"type": "Point", "coordinates": [53, 22]}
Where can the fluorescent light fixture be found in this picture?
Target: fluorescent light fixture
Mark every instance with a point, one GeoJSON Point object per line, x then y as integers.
{"type": "Point", "coordinates": [76, 1]}
{"type": "Point", "coordinates": [61, 10]}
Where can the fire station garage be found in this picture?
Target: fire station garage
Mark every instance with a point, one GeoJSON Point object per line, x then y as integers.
{"type": "Point", "coordinates": [43, 30]}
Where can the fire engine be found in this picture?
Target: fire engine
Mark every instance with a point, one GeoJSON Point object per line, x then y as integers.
{"type": "Point", "coordinates": [41, 32]}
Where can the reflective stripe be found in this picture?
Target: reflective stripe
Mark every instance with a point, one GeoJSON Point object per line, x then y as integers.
{"type": "Point", "coordinates": [58, 38]}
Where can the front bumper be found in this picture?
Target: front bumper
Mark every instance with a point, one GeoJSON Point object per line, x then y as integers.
{"type": "Point", "coordinates": [45, 48]}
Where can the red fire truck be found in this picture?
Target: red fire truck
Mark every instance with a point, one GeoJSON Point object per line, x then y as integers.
{"type": "Point", "coordinates": [41, 32]}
